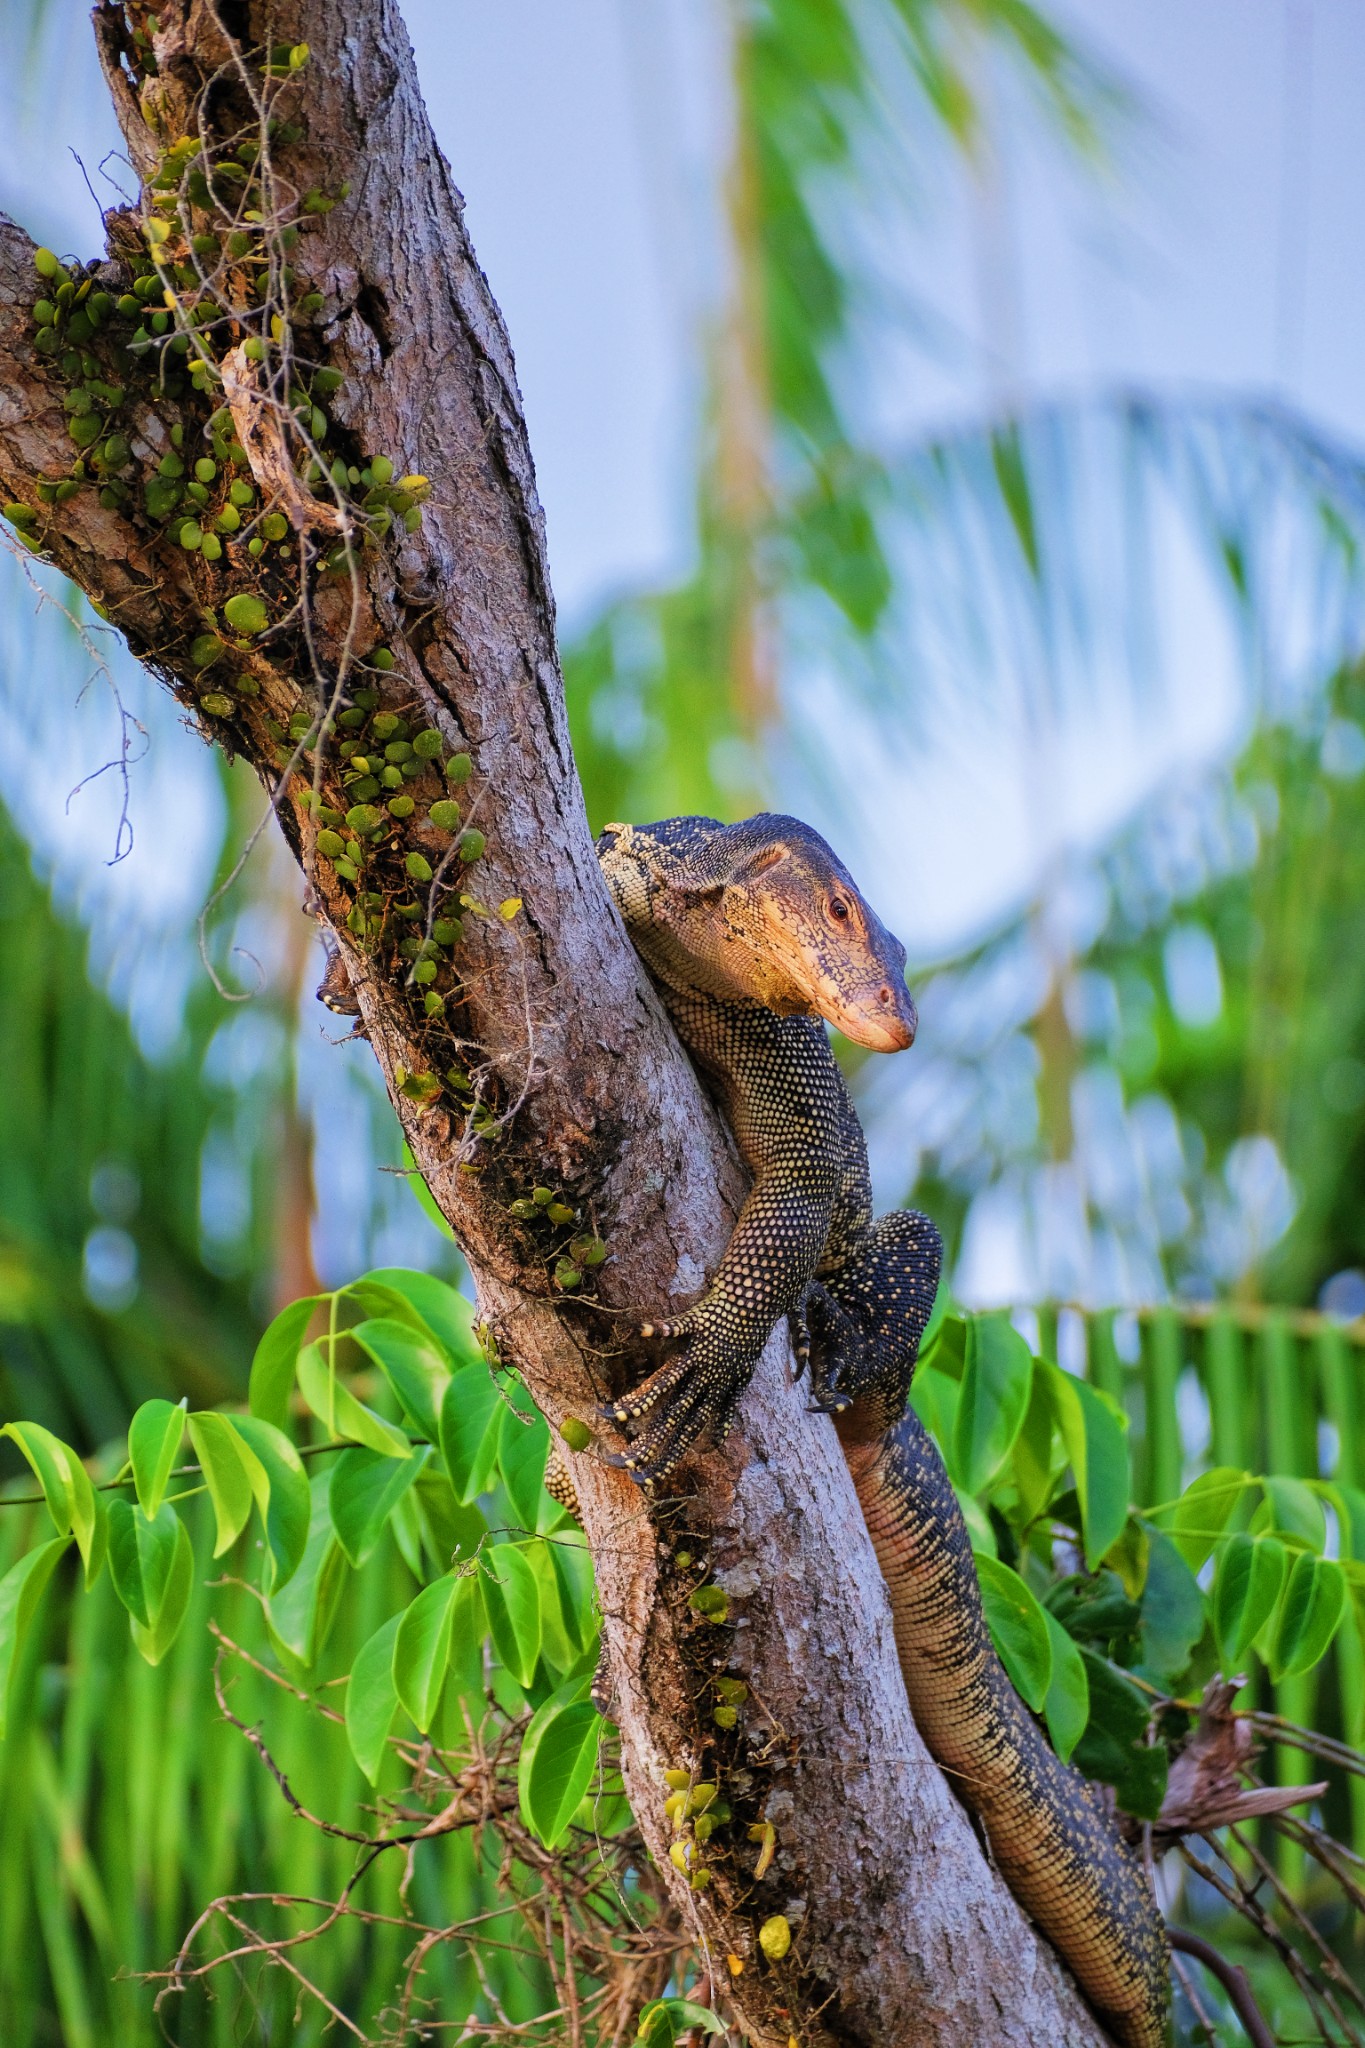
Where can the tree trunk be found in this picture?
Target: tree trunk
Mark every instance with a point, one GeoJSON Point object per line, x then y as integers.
{"type": "Point", "coordinates": [567, 1071]}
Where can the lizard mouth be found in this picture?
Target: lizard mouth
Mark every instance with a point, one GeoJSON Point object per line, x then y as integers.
{"type": "Point", "coordinates": [883, 1019]}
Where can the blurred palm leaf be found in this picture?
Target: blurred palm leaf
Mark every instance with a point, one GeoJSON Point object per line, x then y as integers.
{"type": "Point", "coordinates": [108, 1289]}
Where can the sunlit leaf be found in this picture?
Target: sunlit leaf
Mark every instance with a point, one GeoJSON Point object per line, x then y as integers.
{"type": "Point", "coordinates": [997, 1379]}
{"type": "Point", "coordinates": [934, 1398]}
{"type": "Point", "coordinates": [513, 1601]}
{"type": "Point", "coordinates": [222, 1458]}
{"type": "Point", "coordinates": [1350, 1507]}
{"type": "Point", "coordinates": [280, 1487]}
{"type": "Point", "coordinates": [979, 1528]}
{"type": "Point", "coordinates": [72, 1501]}
{"type": "Point", "coordinates": [523, 1449]}
{"type": "Point", "coordinates": [1295, 1510]}
{"type": "Point", "coordinates": [154, 1438]}
{"type": "Point", "coordinates": [1067, 1705]}
{"type": "Point", "coordinates": [1019, 1629]}
{"type": "Point", "coordinates": [1097, 1445]}
{"type": "Point", "coordinates": [301, 1612]}
{"type": "Point", "coordinates": [415, 1368]}
{"type": "Point", "coordinates": [372, 1699]}
{"type": "Point", "coordinates": [558, 1757]}
{"type": "Point", "coordinates": [470, 1427]}
{"type": "Point", "coordinates": [559, 1645]}
{"type": "Point", "coordinates": [1203, 1511]}
{"type": "Point", "coordinates": [445, 1312]}
{"type": "Point", "coordinates": [365, 1487]}
{"type": "Point", "coordinates": [173, 1605]}
{"type": "Point", "coordinates": [337, 1408]}
{"type": "Point", "coordinates": [677, 2016]}
{"type": "Point", "coordinates": [1310, 1612]}
{"type": "Point", "coordinates": [272, 1368]}
{"type": "Point", "coordinates": [421, 1650]}
{"type": "Point", "coordinates": [468, 1632]}
{"type": "Point", "coordinates": [142, 1552]}
{"type": "Point", "coordinates": [1031, 1460]}
{"type": "Point", "coordinates": [1251, 1572]}
{"type": "Point", "coordinates": [571, 1560]}
{"type": "Point", "coordinates": [21, 1589]}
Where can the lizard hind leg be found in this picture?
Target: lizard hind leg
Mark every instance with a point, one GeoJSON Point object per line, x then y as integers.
{"type": "Point", "coordinates": [869, 1313]}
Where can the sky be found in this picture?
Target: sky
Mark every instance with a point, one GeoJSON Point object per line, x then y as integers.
{"type": "Point", "coordinates": [1219, 247]}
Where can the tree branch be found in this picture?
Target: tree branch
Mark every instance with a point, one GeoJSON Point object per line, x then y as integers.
{"type": "Point", "coordinates": [561, 1052]}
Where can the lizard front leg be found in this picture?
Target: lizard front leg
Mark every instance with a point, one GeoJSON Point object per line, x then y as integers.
{"type": "Point", "coordinates": [764, 1275]}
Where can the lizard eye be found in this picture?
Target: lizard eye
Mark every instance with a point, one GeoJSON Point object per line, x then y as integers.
{"type": "Point", "coordinates": [838, 909]}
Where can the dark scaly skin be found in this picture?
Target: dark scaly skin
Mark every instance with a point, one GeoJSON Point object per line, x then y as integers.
{"type": "Point", "coordinates": [742, 930]}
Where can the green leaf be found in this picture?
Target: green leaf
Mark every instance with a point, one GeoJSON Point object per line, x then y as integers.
{"type": "Point", "coordinates": [1295, 1510]}
{"type": "Point", "coordinates": [934, 1398]}
{"type": "Point", "coordinates": [437, 1307]}
{"type": "Point", "coordinates": [948, 1352]}
{"type": "Point", "coordinates": [980, 1529]}
{"type": "Point", "coordinates": [141, 1555]}
{"type": "Point", "coordinates": [559, 1644]}
{"type": "Point", "coordinates": [337, 1408]}
{"type": "Point", "coordinates": [523, 1449]}
{"type": "Point", "coordinates": [558, 1758]}
{"type": "Point", "coordinates": [223, 1460]}
{"type": "Point", "coordinates": [1313, 1604]}
{"type": "Point", "coordinates": [154, 1438]}
{"type": "Point", "coordinates": [272, 1368]}
{"type": "Point", "coordinates": [414, 1366]}
{"type": "Point", "coordinates": [1113, 1747]}
{"type": "Point", "coordinates": [1250, 1574]}
{"type": "Point", "coordinates": [1019, 1630]}
{"type": "Point", "coordinates": [664, 2021]}
{"type": "Point", "coordinates": [680, 2015]}
{"type": "Point", "coordinates": [997, 1379]}
{"type": "Point", "coordinates": [1350, 1506]}
{"type": "Point", "coordinates": [656, 2028]}
{"type": "Point", "coordinates": [453, 1530]}
{"type": "Point", "coordinates": [572, 1563]}
{"type": "Point", "coordinates": [301, 1612]}
{"type": "Point", "coordinates": [943, 1301]}
{"type": "Point", "coordinates": [468, 1631]}
{"type": "Point", "coordinates": [71, 1499]}
{"type": "Point", "coordinates": [421, 1650]}
{"type": "Point", "coordinates": [426, 1201]}
{"type": "Point", "coordinates": [1172, 1609]}
{"type": "Point", "coordinates": [280, 1487]}
{"type": "Point", "coordinates": [365, 1488]}
{"type": "Point", "coordinates": [1204, 1510]}
{"type": "Point", "coordinates": [372, 1699]}
{"type": "Point", "coordinates": [1067, 1706]}
{"type": "Point", "coordinates": [1031, 1461]}
{"type": "Point", "coordinates": [21, 1589]}
{"type": "Point", "coordinates": [1096, 1443]}
{"type": "Point", "coordinates": [471, 1425]}
{"type": "Point", "coordinates": [154, 1641]}
{"type": "Point", "coordinates": [512, 1598]}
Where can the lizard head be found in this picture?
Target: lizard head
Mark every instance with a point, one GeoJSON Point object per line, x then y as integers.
{"type": "Point", "coordinates": [789, 928]}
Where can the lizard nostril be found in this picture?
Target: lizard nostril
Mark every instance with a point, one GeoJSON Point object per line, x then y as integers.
{"type": "Point", "coordinates": [883, 996]}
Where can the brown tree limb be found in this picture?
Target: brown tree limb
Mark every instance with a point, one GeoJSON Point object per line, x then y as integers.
{"type": "Point", "coordinates": [1233, 1979]}
{"type": "Point", "coordinates": [903, 1932]}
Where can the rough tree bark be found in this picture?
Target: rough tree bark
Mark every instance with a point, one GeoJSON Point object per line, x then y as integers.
{"type": "Point", "coordinates": [903, 1931]}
